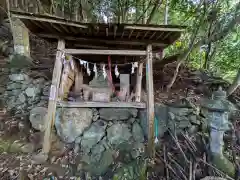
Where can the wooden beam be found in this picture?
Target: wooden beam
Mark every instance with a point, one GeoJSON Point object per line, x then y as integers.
{"type": "Point", "coordinates": [49, 20]}
{"type": "Point", "coordinates": [130, 34]}
{"type": "Point", "coordinates": [115, 31]}
{"type": "Point", "coordinates": [160, 35]}
{"type": "Point", "coordinates": [56, 28]}
{"type": "Point", "coordinates": [91, 104]}
{"type": "Point", "coordinates": [145, 34]}
{"type": "Point", "coordinates": [104, 41]}
{"type": "Point", "coordinates": [168, 34]}
{"type": "Point", "coordinates": [65, 28]}
{"type": "Point", "coordinates": [139, 82]}
{"type": "Point", "coordinates": [153, 34]}
{"type": "Point", "coordinates": [124, 86]}
{"type": "Point", "coordinates": [37, 24]}
{"type": "Point", "coordinates": [107, 32]}
{"type": "Point", "coordinates": [49, 121]}
{"type": "Point", "coordinates": [106, 52]}
{"type": "Point", "coordinates": [150, 102]}
{"type": "Point", "coordinates": [122, 34]}
{"type": "Point", "coordinates": [147, 28]}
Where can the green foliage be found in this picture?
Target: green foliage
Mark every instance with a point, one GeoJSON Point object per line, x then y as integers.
{"type": "Point", "coordinates": [220, 57]}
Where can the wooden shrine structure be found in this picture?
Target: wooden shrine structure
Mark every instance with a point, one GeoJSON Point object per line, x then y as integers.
{"type": "Point", "coordinates": [94, 42]}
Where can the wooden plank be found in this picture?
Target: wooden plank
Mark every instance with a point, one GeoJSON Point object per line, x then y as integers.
{"type": "Point", "coordinates": [110, 42]}
{"type": "Point", "coordinates": [106, 52]}
{"type": "Point", "coordinates": [49, 20]}
{"type": "Point", "coordinates": [115, 31]}
{"type": "Point", "coordinates": [160, 35]}
{"type": "Point", "coordinates": [92, 104]}
{"type": "Point", "coordinates": [150, 102]}
{"type": "Point", "coordinates": [130, 34]}
{"type": "Point", "coordinates": [107, 32]}
{"type": "Point", "coordinates": [139, 83]}
{"type": "Point", "coordinates": [65, 28]}
{"type": "Point", "coordinates": [147, 28]}
{"type": "Point", "coordinates": [168, 34]}
{"type": "Point", "coordinates": [145, 34]}
{"type": "Point", "coordinates": [153, 34]}
{"type": "Point", "coordinates": [49, 121]}
{"type": "Point", "coordinates": [125, 85]}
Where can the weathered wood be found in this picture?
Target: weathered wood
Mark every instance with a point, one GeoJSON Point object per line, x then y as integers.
{"type": "Point", "coordinates": [78, 81]}
{"type": "Point", "coordinates": [50, 20]}
{"type": "Point", "coordinates": [124, 87]}
{"type": "Point", "coordinates": [139, 82]}
{"type": "Point", "coordinates": [130, 34]}
{"type": "Point", "coordinates": [150, 102]}
{"type": "Point", "coordinates": [106, 52]}
{"type": "Point", "coordinates": [160, 35]}
{"type": "Point", "coordinates": [108, 42]}
{"type": "Point", "coordinates": [115, 31]}
{"type": "Point", "coordinates": [147, 28]}
{"type": "Point", "coordinates": [67, 78]}
{"type": "Point", "coordinates": [49, 121]}
{"type": "Point", "coordinates": [102, 104]}
{"type": "Point", "coordinates": [153, 34]}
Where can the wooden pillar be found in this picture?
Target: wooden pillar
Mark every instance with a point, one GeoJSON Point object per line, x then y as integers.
{"type": "Point", "coordinates": [139, 83]}
{"type": "Point", "coordinates": [49, 121]}
{"type": "Point", "coordinates": [150, 102]}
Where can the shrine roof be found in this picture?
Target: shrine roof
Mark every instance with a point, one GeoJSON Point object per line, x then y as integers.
{"type": "Point", "coordinates": [100, 35]}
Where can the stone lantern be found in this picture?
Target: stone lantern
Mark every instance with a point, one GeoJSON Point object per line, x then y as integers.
{"type": "Point", "coordinates": [218, 109]}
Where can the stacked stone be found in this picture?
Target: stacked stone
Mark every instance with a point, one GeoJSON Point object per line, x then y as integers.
{"type": "Point", "coordinates": [183, 118]}
{"type": "Point", "coordinates": [175, 117]}
{"type": "Point", "coordinates": [101, 134]}
{"type": "Point", "coordinates": [3, 80]}
{"type": "Point", "coordinates": [23, 93]}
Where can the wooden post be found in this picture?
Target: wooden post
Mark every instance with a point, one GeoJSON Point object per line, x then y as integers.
{"type": "Point", "coordinates": [49, 121]}
{"type": "Point", "coordinates": [150, 102]}
{"type": "Point", "coordinates": [125, 85]}
{"type": "Point", "coordinates": [139, 83]}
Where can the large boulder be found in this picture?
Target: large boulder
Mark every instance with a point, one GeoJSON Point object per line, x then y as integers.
{"type": "Point", "coordinates": [93, 135]}
{"type": "Point", "coordinates": [33, 91]}
{"type": "Point", "coordinates": [111, 114]}
{"type": "Point", "coordinates": [71, 122]}
{"type": "Point", "coordinates": [118, 133]}
{"type": "Point", "coordinates": [137, 132]}
{"type": "Point", "coordinates": [37, 118]}
{"type": "Point", "coordinates": [98, 167]}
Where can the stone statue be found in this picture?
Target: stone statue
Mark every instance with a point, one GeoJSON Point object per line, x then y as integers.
{"type": "Point", "coordinates": [217, 114]}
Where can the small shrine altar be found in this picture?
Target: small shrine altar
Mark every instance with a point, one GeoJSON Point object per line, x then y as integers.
{"type": "Point", "coordinates": [101, 65]}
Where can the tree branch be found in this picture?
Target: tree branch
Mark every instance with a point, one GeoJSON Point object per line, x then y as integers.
{"type": "Point", "coordinates": [156, 6]}
{"type": "Point", "coordinates": [216, 36]}
{"type": "Point", "coordinates": [235, 84]}
{"type": "Point", "coordinates": [182, 57]}
{"type": "Point", "coordinates": [142, 15]}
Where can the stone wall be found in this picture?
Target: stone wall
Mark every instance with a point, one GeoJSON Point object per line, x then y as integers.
{"type": "Point", "coordinates": [103, 136]}
{"type": "Point", "coordinates": [177, 117]}
{"type": "Point", "coordinates": [103, 139]}
{"type": "Point", "coordinates": [24, 90]}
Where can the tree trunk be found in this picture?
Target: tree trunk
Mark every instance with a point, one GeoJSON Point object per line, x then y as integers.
{"type": "Point", "coordinates": [166, 13]}
{"type": "Point", "coordinates": [235, 84]}
{"type": "Point", "coordinates": [154, 9]}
